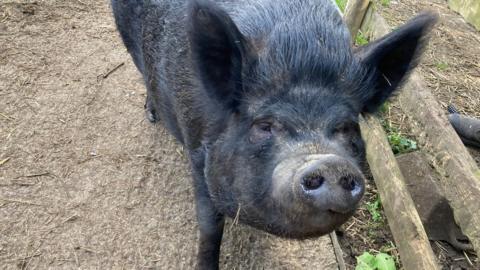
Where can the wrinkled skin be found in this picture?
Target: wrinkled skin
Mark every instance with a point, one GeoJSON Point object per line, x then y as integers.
{"type": "Point", "coordinates": [265, 95]}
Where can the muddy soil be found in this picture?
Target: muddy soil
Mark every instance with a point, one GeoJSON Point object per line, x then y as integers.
{"type": "Point", "coordinates": [85, 181]}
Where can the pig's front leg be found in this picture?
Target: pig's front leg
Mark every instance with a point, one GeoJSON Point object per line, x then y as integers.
{"type": "Point", "coordinates": [150, 111]}
{"type": "Point", "coordinates": [210, 221]}
{"type": "Point", "coordinates": [210, 224]}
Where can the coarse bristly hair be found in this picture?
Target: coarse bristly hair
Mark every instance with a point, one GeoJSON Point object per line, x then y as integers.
{"type": "Point", "coordinates": [299, 41]}
{"type": "Point", "coordinates": [304, 42]}
{"type": "Point", "coordinates": [295, 40]}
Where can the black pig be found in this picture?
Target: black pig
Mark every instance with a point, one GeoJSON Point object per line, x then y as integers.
{"type": "Point", "coordinates": [265, 96]}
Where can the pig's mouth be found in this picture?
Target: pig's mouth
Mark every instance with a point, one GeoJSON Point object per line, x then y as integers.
{"type": "Point", "coordinates": [308, 227]}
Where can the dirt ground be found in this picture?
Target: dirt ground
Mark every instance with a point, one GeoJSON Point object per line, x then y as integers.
{"type": "Point", "coordinates": [85, 181]}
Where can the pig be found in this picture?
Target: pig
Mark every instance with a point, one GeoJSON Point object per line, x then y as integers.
{"type": "Point", "coordinates": [265, 96]}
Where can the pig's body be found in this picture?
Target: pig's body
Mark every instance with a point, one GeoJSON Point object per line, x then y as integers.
{"type": "Point", "coordinates": [265, 95]}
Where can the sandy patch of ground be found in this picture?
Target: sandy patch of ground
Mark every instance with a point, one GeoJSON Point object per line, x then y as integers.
{"type": "Point", "coordinates": [85, 181]}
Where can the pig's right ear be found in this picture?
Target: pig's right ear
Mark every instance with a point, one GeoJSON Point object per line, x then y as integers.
{"type": "Point", "coordinates": [391, 58]}
{"type": "Point", "coordinates": [219, 52]}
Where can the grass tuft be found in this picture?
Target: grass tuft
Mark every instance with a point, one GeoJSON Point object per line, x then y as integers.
{"type": "Point", "coordinates": [385, 3]}
{"type": "Point", "coordinates": [341, 4]}
{"type": "Point", "coordinates": [374, 208]}
{"type": "Point", "coordinates": [399, 143]}
{"type": "Point", "coordinates": [361, 39]}
{"type": "Point", "coordinates": [442, 66]}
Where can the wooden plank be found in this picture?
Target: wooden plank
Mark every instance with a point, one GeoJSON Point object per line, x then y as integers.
{"type": "Point", "coordinates": [354, 14]}
{"type": "Point", "coordinates": [469, 9]}
{"type": "Point", "coordinates": [403, 219]}
{"type": "Point", "coordinates": [460, 176]}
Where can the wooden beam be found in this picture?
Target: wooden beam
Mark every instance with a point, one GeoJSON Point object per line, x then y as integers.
{"type": "Point", "coordinates": [354, 14]}
{"type": "Point", "coordinates": [460, 176]}
{"type": "Point", "coordinates": [402, 216]}
{"type": "Point", "coordinates": [469, 9]}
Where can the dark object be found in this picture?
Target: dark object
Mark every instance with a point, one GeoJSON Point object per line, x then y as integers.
{"type": "Point", "coordinates": [265, 96]}
{"type": "Point", "coordinates": [467, 128]}
{"type": "Point", "coordinates": [434, 210]}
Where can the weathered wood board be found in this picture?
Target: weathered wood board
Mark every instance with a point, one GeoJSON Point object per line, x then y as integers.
{"type": "Point", "coordinates": [469, 9]}
{"type": "Point", "coordinates": [403, 219]}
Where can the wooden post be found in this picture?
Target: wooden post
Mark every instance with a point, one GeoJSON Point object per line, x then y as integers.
{"type": "Point", "coordinates": [354, 14]}
{"type": "Point", "coordinates": [402, 216]}
{"type": "Point", "coordinates": [460, 176]}
{"type": "Point", "coordinates": [469, 9]}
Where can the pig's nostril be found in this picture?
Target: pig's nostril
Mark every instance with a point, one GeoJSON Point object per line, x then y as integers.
{"type": "Point", "coordinates": [348, 182]}
{"type": "Point", "coordinates": [312, 181]}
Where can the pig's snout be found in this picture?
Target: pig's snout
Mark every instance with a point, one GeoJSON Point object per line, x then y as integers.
{"type": "Point", "coordinates": [317, 183]}
{"type": "Point", "coordinates": [329, 182]}
{"type": "Point", "coordinates": [315, 180]}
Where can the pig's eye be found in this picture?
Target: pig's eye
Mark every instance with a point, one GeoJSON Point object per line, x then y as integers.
{"type": "Point", "coordinates": [345, 128]}
{"type": "Point", "coordinates": [265, 127]}
{"type": "Point", "coordinates": [340, 129]}
{"type": "Point", "coordinates": [261, 131]}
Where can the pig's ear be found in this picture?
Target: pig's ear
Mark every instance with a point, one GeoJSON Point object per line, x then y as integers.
{"type": "Point", "coordinates": [392, 57]}
{"type": "Point", "coordinates": [219, 51]}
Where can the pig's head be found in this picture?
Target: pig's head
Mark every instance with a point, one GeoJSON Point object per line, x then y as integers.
{"type": "Point", "coordinates": [285, 155]}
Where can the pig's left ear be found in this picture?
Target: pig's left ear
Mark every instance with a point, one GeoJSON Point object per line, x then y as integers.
{"type": "Point", "coordinates": [392, 57]}
{"type": "Point", "coordinates": [219, 52]}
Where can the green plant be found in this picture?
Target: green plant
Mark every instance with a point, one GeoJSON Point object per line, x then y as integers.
{"type": "Point", "coordinates": [442, 65]}
{"type": "Point", "coordinates": [385, 3]}
{"type": "Point", "coordinates": [374, 208]}
{"type": "Point", "coordinates": [390, 248]}
{"type": "Point", "coordinates": [399, 143]}
{"type": "Point", "coordinates": [361, 39]}
{"type": "Point", "coordinates": [381, 261]}
{"type": "Point", "coordinates": [341, 4]}
{"type": "Point", "coordinates": [384, 108]}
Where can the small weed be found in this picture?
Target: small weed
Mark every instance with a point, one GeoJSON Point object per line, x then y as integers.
{"type": "Point", "coordinates": [399, 143]}
{"type": "Point", "coordinates": [381, 261]}
{"type": "Point", "coordinates": [377, 221]}
{"type": "Point", "coordinates": [361, 39]}
{"type": "Point", "coordinates": [391, 249]}
{"type": "Point", "coordinates": [341, 4]}
{"type": "Point", "coordinates": [384, 108]}
{"type": "Point", "coordinates": [374, 208]}
{"type": "Point", "coordinates": [442, 66]}
{"type": "Point", "coordinates": [385, 3]}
